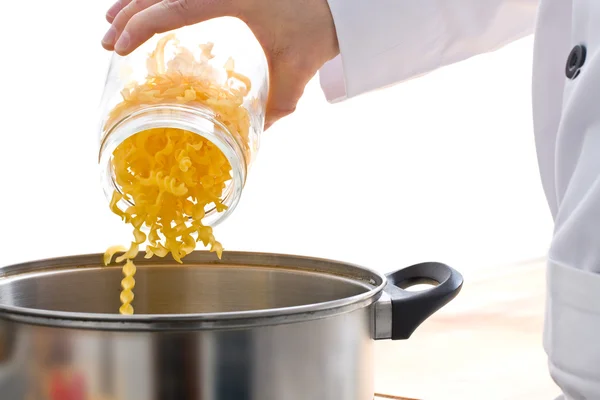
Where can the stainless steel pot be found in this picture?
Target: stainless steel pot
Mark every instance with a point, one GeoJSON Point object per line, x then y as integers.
{"type": "Point", "coordinates": [252, 326]}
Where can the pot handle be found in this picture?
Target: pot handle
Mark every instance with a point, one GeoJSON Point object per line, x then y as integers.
{"type": "Point", "coordinates": [405, 310]}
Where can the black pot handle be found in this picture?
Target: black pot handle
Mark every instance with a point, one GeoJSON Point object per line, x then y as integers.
{"type": "Point", "coordinates": [410, 309]}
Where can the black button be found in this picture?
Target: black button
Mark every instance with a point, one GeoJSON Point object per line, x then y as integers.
{"type": "Point", "coordinates": [575, 61]}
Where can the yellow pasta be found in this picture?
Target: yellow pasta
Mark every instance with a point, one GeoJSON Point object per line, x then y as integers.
{"type": "Point", "coordinates": [128, 283]}
{"type": "Point", "coordinates": [171, 176]}
{"type": "Point", "coordinates": [108, 255]}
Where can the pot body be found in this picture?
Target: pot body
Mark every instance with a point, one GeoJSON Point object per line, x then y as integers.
{"type": "Point", "coordinates": [329, 358]}
{"type": "Point", "coordinates": [251, 326]}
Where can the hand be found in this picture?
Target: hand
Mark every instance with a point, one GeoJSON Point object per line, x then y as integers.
{"type": "Point", "coordinates": [298, 36]}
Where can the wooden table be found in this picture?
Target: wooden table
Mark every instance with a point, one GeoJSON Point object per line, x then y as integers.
{"type": "Point", "coordinates": [486, 344]}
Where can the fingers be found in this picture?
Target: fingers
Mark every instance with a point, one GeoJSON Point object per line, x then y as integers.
{"type": "Point", "coordinates": [114, 10]}
{"type": "Point", "coordinates": [139, 20]}
{"type": "Point", "coordinates": [160, 17]}
{"type": "Point", "coordinates": [123, 11]}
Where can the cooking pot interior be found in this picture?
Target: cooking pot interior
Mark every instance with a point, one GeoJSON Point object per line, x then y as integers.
{"type": "Point", "coordinates": [176, 289]}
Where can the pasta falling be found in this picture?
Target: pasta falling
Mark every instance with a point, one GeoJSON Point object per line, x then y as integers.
{"type": "Point", "coordinates": [128, 283]}
{"type": "Point", "coordinates": [170, 176]}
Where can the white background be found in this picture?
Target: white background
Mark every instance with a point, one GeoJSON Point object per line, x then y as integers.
{"type": "Point", "coordinates": [442, 167]}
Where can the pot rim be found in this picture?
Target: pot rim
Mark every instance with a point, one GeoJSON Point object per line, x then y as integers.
{"type": "Point", "coordinates": [199, 321]}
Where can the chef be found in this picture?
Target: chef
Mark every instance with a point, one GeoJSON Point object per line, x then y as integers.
{"type": "Point", "coordinates": [362, 45]}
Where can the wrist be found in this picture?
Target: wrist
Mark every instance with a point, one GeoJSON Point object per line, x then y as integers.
{"type": "Point", "coordinates": [330, 46]}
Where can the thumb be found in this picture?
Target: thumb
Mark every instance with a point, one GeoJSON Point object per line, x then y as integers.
{"type": "Point", "coordinates": [285, 90]}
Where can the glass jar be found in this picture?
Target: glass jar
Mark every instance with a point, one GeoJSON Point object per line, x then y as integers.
{"type": "Point", "coordinates": [195, 79]}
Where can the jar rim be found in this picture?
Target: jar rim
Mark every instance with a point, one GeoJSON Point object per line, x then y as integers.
{"type": "Point", "coordinates": [198, 120]}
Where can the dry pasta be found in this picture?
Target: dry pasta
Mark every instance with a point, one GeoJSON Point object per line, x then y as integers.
{"type": "Point", "coordinates": [128, 283]}
{"type": "Point", "coordinates": [171, 176]}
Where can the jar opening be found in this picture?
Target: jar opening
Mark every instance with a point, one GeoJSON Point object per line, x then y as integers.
{"type": "Point", "coordinates": [195, 120]}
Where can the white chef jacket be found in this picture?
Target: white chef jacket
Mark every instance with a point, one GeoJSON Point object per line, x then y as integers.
{"type": "Point", "coordinates": [384, 42]}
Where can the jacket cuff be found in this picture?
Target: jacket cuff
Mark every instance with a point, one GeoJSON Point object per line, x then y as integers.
{"type": "Point", "coordinates": [382, 42]}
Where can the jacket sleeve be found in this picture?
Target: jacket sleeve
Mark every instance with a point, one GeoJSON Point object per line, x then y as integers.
{"type": "Point", "coordinates": [384, 42]}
